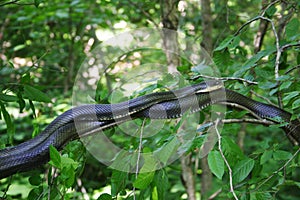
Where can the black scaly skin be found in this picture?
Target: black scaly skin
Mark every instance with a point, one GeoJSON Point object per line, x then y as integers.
{"type": "Point", "coordinates": [88, 119]}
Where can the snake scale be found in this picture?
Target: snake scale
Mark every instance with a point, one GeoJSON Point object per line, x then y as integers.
{"type": "Point", "coordinates": [89, 119]}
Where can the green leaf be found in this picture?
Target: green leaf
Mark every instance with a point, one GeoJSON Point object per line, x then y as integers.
{"type": "Point", "coordinates": [32, 108]}
{"type": "Point", "coordinates": [216, 164]}
{"type": "Point", "coordinates": [267, 155]}
{"type": "Point", "coordinates": [9, 124]}
{"type": "Point", "coordinates": [35, 193]}
{"type": "Point", "coordinates": [242, 169]}
{"type": "Point", "coordinates": [19, 47]}
{"type": "Point", "coordinates": [35, 94]}
{"type": "Point", "coordinates": [118, 182]}
{"type": "Point", "coordinates": [68, 162]}
{"type": "Point", "coordinates": [290, 95]}
{"type": "Point", "coordinates": [68, 176]}
{"type": "Point", "coordinates": [231, 150]}
{"type": "Point", "coordinates": [161, 183]}
{"type": "Point", "coordinates": [296, 104]}
{"type": "Point", "coordinates": [105, 196]}
{"type": "Point", "coordinates": [143, 180]}
{"type": "Point", "coordinates": [202, 68]}
{"type": "Point", "coordinates": [8, 98]}
{"type": "Point", "coordinates": [273, 91]}
{"type": "Point", "coordinates": [267, 85]}
{"type": "Point", "coordinates": [225, 43]}
{"type": "Point", "coordinates": [253, 60]}
{"type": "Point", "coordinates": [282, 155]}
{"type": "Point", "coordinates": [167, 150]}
{"type": "Point", "coordinates": [21, 101]}
{"type": "Point", "coordinates": [147, 172]}
{"type": "Point", "coordinates": [154, 195]}
{"type": "Point", "coordinates": [285, 85]}
{"type": "Point", "coordinates": [222, 58]}
{"type": "Point", "coordinates": [55, 158]}
{"type": "Point", "coordinates": [283, 78]}
{"type": "Point", "coordinates": [292, 29]}
{"type": "Point", "coordinates": [271, 11]}
{"type": "Point", "coordinates": [261, 196]}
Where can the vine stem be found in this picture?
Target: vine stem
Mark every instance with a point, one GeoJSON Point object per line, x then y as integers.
{"type": "Point", "coordinates": [225, 160]}
{"type": "Point", "coordinates": [139, 156]}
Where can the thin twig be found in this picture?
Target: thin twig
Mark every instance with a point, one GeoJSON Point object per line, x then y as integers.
{"type": "Point", "coordinates": [10, 2]}
{"type": "Point", "coordinates": [224, 79]}
{"type": "Point", "coordinates": [215, 194]}
{"type": "Point", "coordinates": [286, 46]}
{"type": "Point", "coordinates": [292, 69]}
{"type": "Point", "coordinates": [139, 155]}
{"type": "Point", "coordinates": [278, 55]}
{"type": "Point", "coordinates": [268, 6]}
{"type": "Point", "coordinates": [244, 25]}
{"type": "Point", "coordinates": [262, 97]}
{"type": "Point", "coordinates": [247, 120]}
{"type": "Point", "coordinates": [225, 160]}
{"type": "Point", "coordinates": [234, 105]}
{"type": "Point", "coordinates": [140, 149]}
{"type": "Point", "coordinates": [278, 49]}
{"type": "Point", "coordinates": [255, 18]}
{"type": "Point", "coordinates": [277, 171]}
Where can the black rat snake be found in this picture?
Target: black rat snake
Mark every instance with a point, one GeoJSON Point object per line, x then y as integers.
{"type": "Point", "coordinates": [88, 119]}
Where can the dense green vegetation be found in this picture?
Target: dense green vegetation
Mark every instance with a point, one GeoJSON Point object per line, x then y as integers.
{"type": "Point", "coordinates": [254, 45]}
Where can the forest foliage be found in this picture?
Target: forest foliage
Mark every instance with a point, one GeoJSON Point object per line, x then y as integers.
{"type": "Point", "coordinates": [255, 46]}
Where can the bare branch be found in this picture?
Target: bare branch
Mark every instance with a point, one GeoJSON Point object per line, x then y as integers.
{"type": "Point", "coordinates": [286, 46]}
{"type": "Point", "coordinates": [246, 24]}
{"type": "Point", "coordinates": [278, 49]}
{"type": "Point", "coordinates": [268, 6]}
{"type": "Point", "coordinates": [16, 3]}
{"type": "Point", "coordinates": [225, 160]}
{"type": "Point", "coordinates": [234, 105]}
{"type": "Point", "coordinates": [225, 79]}
{"type": "Point", "coordinates": [247, 120]}
{"type": "Point", "coordinates": [292, 69]}
{"type": "Point", "coordinates": [10, 2]}
{"type": "Point", "coordinates": [262, 97]}
{"type": "Point", "coordinates": [139, 155]}
{"type": "Point", "coordinates": [214, 195]}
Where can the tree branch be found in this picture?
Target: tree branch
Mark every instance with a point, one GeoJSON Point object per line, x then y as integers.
{"type": "Point", "coordinates": [224, 79]}
{"type": "Point", "coordinates": [10, 2]}
{"type": "Point", "coordinates": [292, 69]}
{"type": "Point", "coordinates": [225, 160]}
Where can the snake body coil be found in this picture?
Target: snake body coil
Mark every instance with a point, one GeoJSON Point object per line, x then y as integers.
{"type": "Point", "coordinates": [88, 119]}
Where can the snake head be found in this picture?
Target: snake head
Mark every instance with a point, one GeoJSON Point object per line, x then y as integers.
{"type": "Point", "coordinates": [210, 86]}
